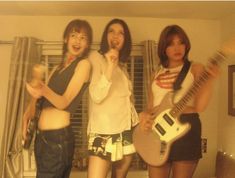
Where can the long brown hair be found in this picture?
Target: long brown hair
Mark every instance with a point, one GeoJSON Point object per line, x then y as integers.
{"type": "Point", "coordinates": [166, 38]}
{"type": "Point", "coordinates": [126, 49]}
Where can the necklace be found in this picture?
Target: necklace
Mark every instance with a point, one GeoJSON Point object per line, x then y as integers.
{"type": "Point", "coordinates": [70, 59]}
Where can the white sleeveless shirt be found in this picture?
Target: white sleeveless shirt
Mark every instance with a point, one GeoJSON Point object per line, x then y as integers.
{"type": "Point", "coordinates": [163, 83]}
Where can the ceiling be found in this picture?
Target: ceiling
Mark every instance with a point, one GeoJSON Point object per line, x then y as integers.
{"type": "Point", "coordinates": [155, 9]}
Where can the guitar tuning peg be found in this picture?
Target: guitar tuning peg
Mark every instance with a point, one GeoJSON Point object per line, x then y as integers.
{"type": "Point", "coordinates": [213, 62]}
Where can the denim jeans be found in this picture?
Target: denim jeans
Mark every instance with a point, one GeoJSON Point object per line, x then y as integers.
{"type": "Point", "coordinates": [54, 151]}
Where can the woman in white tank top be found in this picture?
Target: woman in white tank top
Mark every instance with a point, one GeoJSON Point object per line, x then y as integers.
{"type": "Point", "coordinates": [173, 49]}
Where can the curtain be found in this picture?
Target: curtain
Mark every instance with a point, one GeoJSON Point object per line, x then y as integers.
{"type": "Point", "coordinates": [151, 62]}
{"type": "Point", "coordinates": [25, 53]}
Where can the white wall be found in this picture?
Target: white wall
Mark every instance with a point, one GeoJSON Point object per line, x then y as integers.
{"type": "Point", "coordinates": [204, 35]}
{"type": "Point", "coordinates": [226, 123]}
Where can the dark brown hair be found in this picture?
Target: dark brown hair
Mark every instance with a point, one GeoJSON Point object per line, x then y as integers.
{"type": "Point", "coordinates": [77, 25]}
{"type": "Point", "coordinates": [126, 48]}
{"type": "Point", "coordinates": [165, 40]}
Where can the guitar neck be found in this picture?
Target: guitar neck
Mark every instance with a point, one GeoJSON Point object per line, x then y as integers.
{"type": "Point", "coordinates": [181, 104]}
{"type": "Point", "coordinates": [203, 78]}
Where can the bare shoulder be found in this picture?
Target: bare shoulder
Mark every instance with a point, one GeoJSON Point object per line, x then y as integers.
{"type": "Point", "coordinates": [92, 55]}
{"type": "Point", "coordinates": [84, 64]}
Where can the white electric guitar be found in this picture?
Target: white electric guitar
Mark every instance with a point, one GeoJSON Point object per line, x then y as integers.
{"type": "Point", "coordinates": [154, 146]}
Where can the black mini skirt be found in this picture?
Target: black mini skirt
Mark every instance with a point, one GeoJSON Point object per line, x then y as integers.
{"type": "Point", "coordinates": [188, 147]}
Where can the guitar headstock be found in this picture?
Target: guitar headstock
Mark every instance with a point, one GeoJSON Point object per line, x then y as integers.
{"type": "Point", "coordinates": [228, 47]}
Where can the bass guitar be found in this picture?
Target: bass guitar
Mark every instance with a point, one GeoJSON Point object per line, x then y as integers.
{"type": "Point", "coordinates": [32, 125]}
{"type": "Point", "coordinates": [154, 146]}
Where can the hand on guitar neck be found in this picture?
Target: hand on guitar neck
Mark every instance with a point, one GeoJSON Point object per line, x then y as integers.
{"type": "Point", "coordinates": [227, 49]}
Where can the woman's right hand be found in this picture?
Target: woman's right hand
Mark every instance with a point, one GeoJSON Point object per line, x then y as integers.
{"type": "Point", "coordinates": [146, 121]}
{"type": "Point", "coordinates": [112, 57]}
{"type": "Point", "coordinates": [35, 92]}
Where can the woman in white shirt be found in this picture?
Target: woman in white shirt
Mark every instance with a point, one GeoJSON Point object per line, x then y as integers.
{"type": "Point", "coordinates": [110, 104]}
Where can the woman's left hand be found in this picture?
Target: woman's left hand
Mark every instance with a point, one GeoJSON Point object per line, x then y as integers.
{"type": "Point", "coordinates": [35, 92]}
{"type": "Point", "coordinates": [213, 70]}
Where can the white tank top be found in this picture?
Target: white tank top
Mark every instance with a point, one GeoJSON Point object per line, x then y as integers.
{"type": "Point", "coordinates": [163, 83]}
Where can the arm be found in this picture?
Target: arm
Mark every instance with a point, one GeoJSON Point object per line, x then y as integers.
{"type": "Point", "coordinates": [146, 117]}
{"type": "Point", "coordinates": [80, 76]}
{"type": "Point", "coordinates": [150, 94]}
{"type": "Point", "coordinates": [101, 78]}
{"type": "Point", "coordinates": [204, 94]}
{"type": "Point", "coordinates": [28, 114]}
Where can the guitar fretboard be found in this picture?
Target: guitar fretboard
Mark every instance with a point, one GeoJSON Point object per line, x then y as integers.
{"type": "Point", "coordinates": [181, 104]}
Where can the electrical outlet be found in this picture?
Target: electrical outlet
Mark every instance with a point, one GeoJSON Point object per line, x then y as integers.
{"type": "Point", "coordinates": [204, 145]}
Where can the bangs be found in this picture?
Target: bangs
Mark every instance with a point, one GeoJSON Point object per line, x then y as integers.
{"type": "Point", "coordinates": [78, 29]}
{"type": "Point", "coordinates": [171, 36]}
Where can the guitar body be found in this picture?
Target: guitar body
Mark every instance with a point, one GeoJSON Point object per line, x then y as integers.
{"type": "Point", "coordinates": [32, 124]}
{"type": "Point", "coordinates": [148, 145]}
{"type": "Point", "coordinates": [154, 146]}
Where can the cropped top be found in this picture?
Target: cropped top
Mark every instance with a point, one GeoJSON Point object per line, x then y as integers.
{"type": "Point", "coordinates": [59, 82]}
{"type": "Point", "coordinates": [163, 83]}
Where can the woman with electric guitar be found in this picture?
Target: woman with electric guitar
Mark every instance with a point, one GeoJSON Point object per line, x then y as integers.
{"type": "Point", "coordinates": [54, 142]}
{"type": "Point", "coordinates": [169, 135]}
